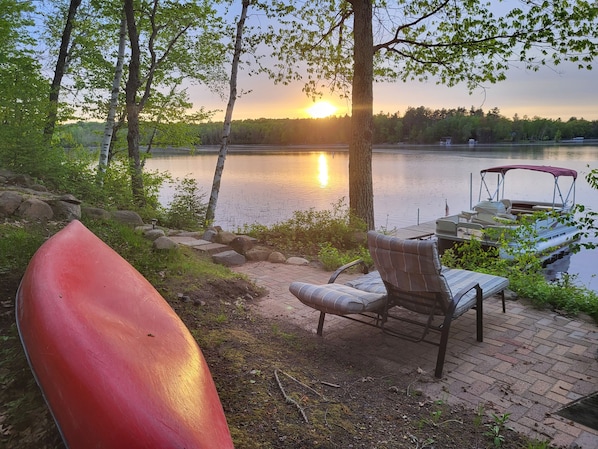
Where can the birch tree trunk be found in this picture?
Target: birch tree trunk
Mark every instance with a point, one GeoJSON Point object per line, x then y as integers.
{"type": "Point", "coordinates": [361, 190]}
{"type": "Point", "coordinates": [118, 73]}
{"type": "Point", "coordinates": [211, 209]}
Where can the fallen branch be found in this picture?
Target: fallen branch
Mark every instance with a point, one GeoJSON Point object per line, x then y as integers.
{"type": "Point", "coordinates": [289, 399]}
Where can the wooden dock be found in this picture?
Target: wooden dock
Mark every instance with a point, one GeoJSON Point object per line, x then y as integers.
{"type": "Point", "coordinates": [420, 231]}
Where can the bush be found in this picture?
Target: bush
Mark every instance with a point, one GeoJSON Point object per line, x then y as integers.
{"type": "Point", "coordinates": [307, 231]}
{"type": "Point", "coordinates": [187, 210]}
{"type": "Point", "coordinates": [525, 278]}
{"type": "Point", "coordinates": [332, 258]}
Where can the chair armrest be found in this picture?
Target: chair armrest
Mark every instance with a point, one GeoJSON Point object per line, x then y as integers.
{"type": "Point", "coordinates": [346, 267]}
{"type": "Point", "coordinates": [461, 293]}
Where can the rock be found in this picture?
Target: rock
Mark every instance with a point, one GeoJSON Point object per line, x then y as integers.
{"type": "Point", "coordinates": [192, 234]}
{"type": "Point", "coordinates": [39, 188]}
{"type": "Point", "coordinates": [241, 244]}
{"type": "Point", "coordinates": [20, 180]}
{"type": "Point", "coordinates": [225, 237]}
{"type": "Point", "coordinates": [65, 210]}
{"type": "Point", "coordinates": [276, 257]}
{"type": "Point", "coordinates": [297, 261]}
{"type": "Point", "coordinates": [164, 243]}
{"type": "Point", "coordinates": [127, 217]}
{"type": "Point", "coordinates": [210, 248]}
{"type": "Point", "coordinates": [9, 202]}
{"type": "Point", "coordinates": [35, 209]}
{"type": "Point", "coordinates": [258, 253]}
{"type": "Point", "coordinates": [153, 234]}
{"type": "Point", "coordinates": [210, 235]}
{"type": "Point", "coordinates": [95, 213]}
{"type": "Point", "coordinates": [229, 258]}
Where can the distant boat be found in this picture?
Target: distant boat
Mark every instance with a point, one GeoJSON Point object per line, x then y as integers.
{"type": "Point", "coordinates": [116, 365]}
{"type": "Point", "coordinates": [496, 215]}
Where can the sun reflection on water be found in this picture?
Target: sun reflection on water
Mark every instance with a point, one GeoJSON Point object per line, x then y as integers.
{"type": "Point", "coordinates": [323, 175]}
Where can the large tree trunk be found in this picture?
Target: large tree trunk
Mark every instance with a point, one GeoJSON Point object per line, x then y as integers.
{"type": "Point", "coordinates": [118, 73]}
{"type": "Point", "coordinates": [133, 108]}
{"type": "Point", "coordinates": [61, 64]}
{"type": "Point", "coordinates": [361, 191]}
{"type": "Point", "coordinates": [211, 210]}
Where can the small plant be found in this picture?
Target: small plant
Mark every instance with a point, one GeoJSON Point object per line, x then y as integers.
{"type": "Point", "coordinates": [536, 444]}
{"type": "Point", "coordinates": [496, 429]}
{"type": "Point", "coordinates": [187, 209]}
{"type": "Point", "coordinates": [332, 258]}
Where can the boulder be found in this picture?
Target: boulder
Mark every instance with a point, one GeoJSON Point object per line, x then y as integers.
{"type": "Point", "coordinates": [35, 209]}
{"type": "Point", "coordinates": [153, 234]}
{"type": "Point", "coordinates": [297, 261]}
{"type": "Point", "coordinates": [95, 213]}
{"type": "Point", "coordinates": [67, 207]}
{"type": "Point", "coordinates": [229, 258]}
{"type": "Point", "coordinates": [210, 235]}
{"type": "Point", "coordinates": [9, 202]}
{"type": "Point", "coordinates": [258, 253]}
{"type": "Point", "coordinates": [164, 243]}
{"type": "Point", "coordinates": [127, 217]}
{"type": "Point", "coordinates": [225, 237]}
{"type": "Point", "coordinates": [276, 257]}
{"type": "Point", "coordinates": [241, 244]}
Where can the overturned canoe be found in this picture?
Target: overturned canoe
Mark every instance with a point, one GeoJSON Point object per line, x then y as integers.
{"type": "Point", "coordinates": [116, 365]}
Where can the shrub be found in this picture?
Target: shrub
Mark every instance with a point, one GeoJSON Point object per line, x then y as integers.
{"type": "Point", "coordinates": [187, 210]}
{"type": "Point", "coordinates": [307, 231]}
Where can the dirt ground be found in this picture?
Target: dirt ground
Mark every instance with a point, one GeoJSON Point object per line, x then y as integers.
{"type": "Point", "coordinates": [279, 388]}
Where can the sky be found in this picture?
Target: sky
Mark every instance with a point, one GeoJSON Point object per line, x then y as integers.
{"type": "Point", "coordinates": [559, 92]}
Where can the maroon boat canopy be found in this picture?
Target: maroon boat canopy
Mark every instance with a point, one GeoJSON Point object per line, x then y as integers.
{"type": "Point", "coordinates": [554, 171]}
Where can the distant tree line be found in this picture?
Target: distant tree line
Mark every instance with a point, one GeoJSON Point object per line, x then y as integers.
{"type": "Point", "coordinates": [417, 126]}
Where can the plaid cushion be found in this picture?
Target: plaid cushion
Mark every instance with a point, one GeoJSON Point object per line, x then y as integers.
{"type": "Point", "coordinates": [371, 282]}
{"type": "Point", "coordinates": [457, 279]}
{"type": "Point", "coordinates": [337, 299]}
{"type": "Point", "coordinates": [416, 279]}
{"type": "Point", "coordinates": [411, 270]}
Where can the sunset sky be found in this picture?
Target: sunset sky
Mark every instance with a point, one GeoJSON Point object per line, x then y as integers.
{"type": "Point", "coordinates": [561, 92]}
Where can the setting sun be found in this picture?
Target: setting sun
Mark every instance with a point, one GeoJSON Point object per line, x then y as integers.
{"type": "Point", "coordinates": [321, 109]}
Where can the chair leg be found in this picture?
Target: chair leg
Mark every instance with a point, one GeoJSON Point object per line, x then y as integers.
{"type": "Point", "coordinates": [321, 323]}
{"type": "Point", "coordinates": [502, 295]}
{"type": "Point", "coordinates": [479, 322]}
{"type": "Point", "coordinates": [442, 349]}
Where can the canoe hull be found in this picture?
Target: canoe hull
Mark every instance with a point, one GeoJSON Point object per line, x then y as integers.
{"type": "Point", "coordinates": [116, 365]}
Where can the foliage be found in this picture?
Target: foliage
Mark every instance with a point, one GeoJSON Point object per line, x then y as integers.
{"type": "Point", "coordinates": [470, 42]}
{"type": "Point", "coordinates": [496, 429]}
{"type": "Point", "coordinates": [332, 258]}
{"type": "Point", "coordinates": [307, 231]}
{"type": "Point", "coordinates": [586, 219]}
{"type": "Point", "coordinates": [22, 90]}
{"type": "Point", "coordinates": [187, 208]}
{"type": "Point", "coordinates": [525, 278]}
{"type": "Point", "coordinates": [17, 246]}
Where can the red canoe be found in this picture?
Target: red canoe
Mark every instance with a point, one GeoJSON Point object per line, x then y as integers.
{"type": "Point", "coordinates": [116, 365]}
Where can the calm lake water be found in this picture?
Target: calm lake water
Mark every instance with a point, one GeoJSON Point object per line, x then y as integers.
{"type": "Point", "coordinates": [411, 184]}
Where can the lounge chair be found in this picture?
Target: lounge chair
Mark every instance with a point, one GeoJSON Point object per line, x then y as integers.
{"type": "Point", "coordinates": [409, 276]}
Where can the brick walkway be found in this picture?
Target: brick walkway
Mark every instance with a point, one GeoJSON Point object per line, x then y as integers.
{"type": "Point", "coordinates": [530, 364]}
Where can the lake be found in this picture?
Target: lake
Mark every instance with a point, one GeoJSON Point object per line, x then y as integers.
{"type": "Point", "coordinates": [411, 184]}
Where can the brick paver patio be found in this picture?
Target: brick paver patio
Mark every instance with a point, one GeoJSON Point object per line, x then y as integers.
{"type": "Point", "coordinates": [530, 364]}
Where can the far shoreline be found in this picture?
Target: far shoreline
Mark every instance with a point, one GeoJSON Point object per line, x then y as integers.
{"type": "Point", "coordinates": [279, 148]}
